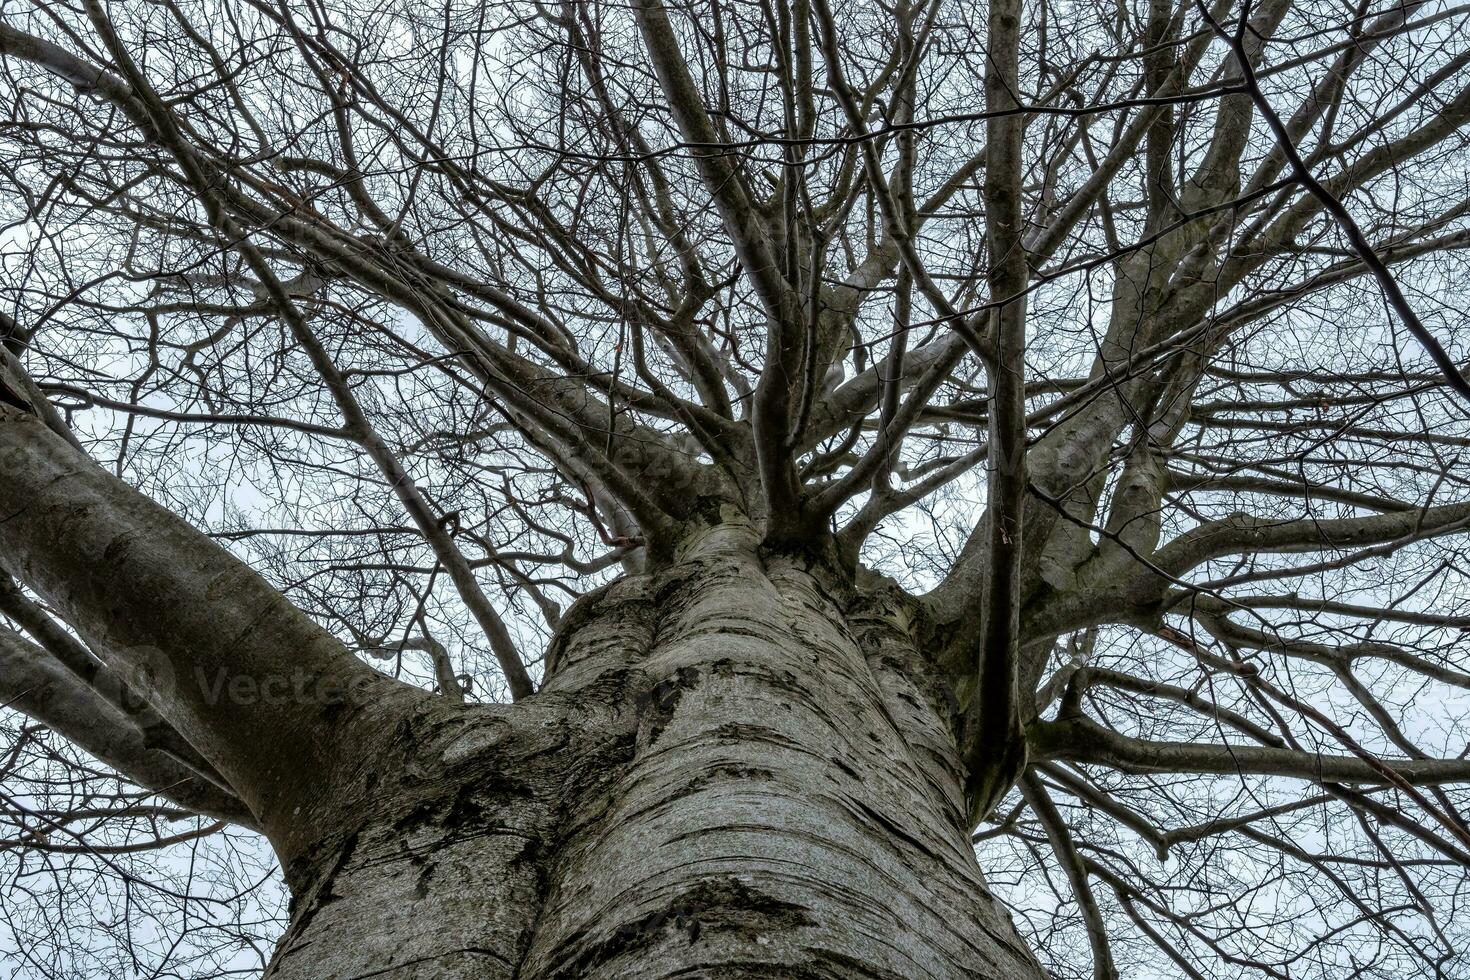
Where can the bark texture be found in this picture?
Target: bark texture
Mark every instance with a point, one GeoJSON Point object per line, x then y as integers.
{"type": "Point", "coordinates": [733, 769]}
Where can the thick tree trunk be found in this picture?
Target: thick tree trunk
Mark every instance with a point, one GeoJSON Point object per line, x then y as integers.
{"type": "Point", "coordinates": [730, 772]}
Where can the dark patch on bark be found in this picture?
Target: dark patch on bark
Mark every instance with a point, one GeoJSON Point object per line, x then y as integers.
{"type": "Point", "coordinates": [302, 870]}
{"type": "Point", "coordinates": [470, 805]}
{"type": "Point", "coordinates": [723, 905]}
{"type": "Point", "coordinates": [333, 711]}
{"type": "Point", "coordinates": [897, 831]}
{"type": "Point", "coordinates": [420, 815]}
{"type": "Point", "coordinates": [834, 966]}
{"type": "Point", "coordinates": [657, 706]}
{"type": "Point", "coordinates": [538, 855]}
{"type": "Point", "coordinates": [776, 679]}
{"type": "Point", "coordinates": [736, 731]}
{"type": "Point", "coordinates": [425, 875]}
{"type": "Point", "coordinates": [728, 772]}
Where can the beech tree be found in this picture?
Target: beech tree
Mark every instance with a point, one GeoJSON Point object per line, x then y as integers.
{"type": "Point", "coordinates": [789, 488]}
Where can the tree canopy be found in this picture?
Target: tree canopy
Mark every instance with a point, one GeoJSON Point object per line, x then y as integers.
{"type": "Point", "coordinates": [1126, 339]}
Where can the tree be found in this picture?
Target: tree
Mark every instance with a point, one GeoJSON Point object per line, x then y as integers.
{"type": "Point", "coordinates": [648, 491]}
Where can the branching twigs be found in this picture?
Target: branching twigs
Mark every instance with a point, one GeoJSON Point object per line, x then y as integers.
{"type": "Point", "coordinates": [1076, 872]}
{"type": "Point", "coordinates": [200, 176]}
{"type": "Point", "coordinates": [1453, 375]}
{"type": "Point", "coordinates": [600, 276]}
{"type": "Point", "coordinates": [773, 412]}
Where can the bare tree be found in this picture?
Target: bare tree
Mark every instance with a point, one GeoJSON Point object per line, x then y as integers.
{"type": "Point", "coordinates": [735, 489]}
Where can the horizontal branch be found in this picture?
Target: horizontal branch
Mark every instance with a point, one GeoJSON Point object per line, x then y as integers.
{"type": "Point", "coordinates": [1084, 740]}
{"type": "Point", "coordinates": [1242, 533]}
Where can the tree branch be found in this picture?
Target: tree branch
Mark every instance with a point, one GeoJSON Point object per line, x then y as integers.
{"type": "Point", "coordinates": [36, 685]}
{"type": "Point", "coordinates": [1084, 740]}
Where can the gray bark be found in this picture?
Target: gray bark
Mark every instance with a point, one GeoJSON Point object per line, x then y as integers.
{"type": "Point", "coordinates": [735, 768]}
{"type": "Point", "coordinates": [738, 764]}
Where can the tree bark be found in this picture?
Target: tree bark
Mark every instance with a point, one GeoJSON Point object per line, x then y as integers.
{"type": "Point", "coordinates": [735, 767]}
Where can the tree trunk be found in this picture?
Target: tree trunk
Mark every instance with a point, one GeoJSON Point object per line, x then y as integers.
{"type": "Point", "coordinates": [730, 771]}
